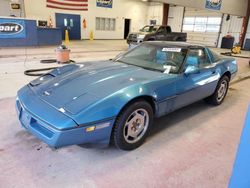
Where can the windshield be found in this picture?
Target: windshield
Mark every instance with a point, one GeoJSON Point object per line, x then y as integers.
{"type": "Point", "coordinates": [149, 29]}
{"type": "Point", "coordinates": [166, 59]}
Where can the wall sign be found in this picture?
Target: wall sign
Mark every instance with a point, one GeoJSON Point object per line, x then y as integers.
{"type": "Point", "coordinates": [11, 28]}
{"type": "Point", "coordinates": [104, 3]}
{"type": "Point", "coordinates": [152, 22]}
{"type": "Point", "coordinates": [15, 6]}
{"type": "Point", "coordinates": [213, 4]}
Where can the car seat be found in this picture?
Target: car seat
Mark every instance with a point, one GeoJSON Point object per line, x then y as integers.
{"type": "Point", "coordinates": [161, 57]}
{"type": "Point", "coordinates": [192, 61]}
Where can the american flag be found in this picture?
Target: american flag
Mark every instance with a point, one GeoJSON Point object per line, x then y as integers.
{"type": "Point", "coordinates": [80, 5]}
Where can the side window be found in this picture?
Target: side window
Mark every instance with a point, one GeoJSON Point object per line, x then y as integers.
{"type": "Point", "coordinates": [168, 29]}
{"type": "Point", "coordinates": [161, 30]}
{"type": "Point", "coordinates": [197, 57]}
{"type": "Point", "coordinates": [213, 55]}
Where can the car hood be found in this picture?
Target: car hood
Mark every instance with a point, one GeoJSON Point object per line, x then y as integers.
{"type": "Point", "coordinates": [75, 87]}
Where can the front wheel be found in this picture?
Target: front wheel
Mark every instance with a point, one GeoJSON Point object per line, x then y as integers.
{"type": "Point", "coordinates": [220, 92]}
{"type": "Point", "coordinates": [132, 125]}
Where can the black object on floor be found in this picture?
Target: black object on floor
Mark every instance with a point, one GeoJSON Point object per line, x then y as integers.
{"type": "Point", "coordinates": [231, 55]}
{"type": "Point", "coordinates": [227, 42]}
{"type": "Point", "coordinates": [247, 45]}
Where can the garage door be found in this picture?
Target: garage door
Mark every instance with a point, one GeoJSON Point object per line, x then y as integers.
{"type": "Point", "coordinates": [202, 26]}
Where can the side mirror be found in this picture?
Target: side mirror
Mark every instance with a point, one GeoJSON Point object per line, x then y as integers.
{"type": "Point", "coordinates": [191, 70]}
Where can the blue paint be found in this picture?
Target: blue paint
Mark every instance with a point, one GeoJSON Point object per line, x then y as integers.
{"type": "Point", "coordinates": [72, 23]}
{"type": "Point", "coordinates": [241, 172]}
{"type": "Point", "coordinates": [213, 5]}
{"type": "Point", "coordinates": [35, 36]}
{"type": "Point", "coordinates": [58, 106]}
{"type": "Point", "coordinates": [29, 40]}
{"type": "Point", "coordinates": [49, 36]}
{"type": "Point", "coordinates": [104, 3]}
{"type": "Point", "coordinates": [20, 24]}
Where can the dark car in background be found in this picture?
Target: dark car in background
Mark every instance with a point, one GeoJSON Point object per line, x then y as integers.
{"type": "Point", "coordinates": [155, 33]}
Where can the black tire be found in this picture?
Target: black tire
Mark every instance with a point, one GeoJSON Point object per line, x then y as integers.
{"type": "Point", "coordinates": [220, 92]}
{"type": "Point", "coordinates": [121, 137]}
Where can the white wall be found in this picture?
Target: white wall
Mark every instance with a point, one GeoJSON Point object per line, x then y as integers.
{"type": "Point", "coordinates": [231, 27]}
{"type": "Point", "coordinates": [175, 18]}
{"type": "Point", "coordinates": [155, 12]}
{"type": "Point", "coordinates": [234, 7]}
{"type": "Point", "coordinates": [5, 9]}
{"type": "Point", "coordinates": [130, 9]}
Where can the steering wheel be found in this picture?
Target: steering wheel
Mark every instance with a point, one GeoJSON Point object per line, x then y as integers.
{"type": "Point", "coordinates": [171, 63]}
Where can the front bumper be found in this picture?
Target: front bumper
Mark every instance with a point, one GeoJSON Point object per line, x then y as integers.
{"type": "Point", "coordinates": [47, 131]}
{"type": "Point", "coordinates": [134, 41]}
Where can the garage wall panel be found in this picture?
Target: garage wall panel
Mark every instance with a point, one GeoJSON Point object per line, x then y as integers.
{"type": "Point", "coordinates": [231, 27]}
{"type": "Point", "coordinates": [5, 9]}
{"type": "Point", "coordinates": [175, 17]}
{"type": "Point", "coordinates": [209, 39]}
{"type": "Point", "coordinates": [197, 12]}
{"type": "Point", "coordinates": [205, 36]}
{"type": "Point", "coordinates": [155, 12]}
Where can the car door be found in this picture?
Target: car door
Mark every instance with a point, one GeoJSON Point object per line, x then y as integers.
{"type": "Point", "coordinates": [161, 34]}
{"type": "Point", "coordinates": [70, 22]}
{"type": "Point", "coordinates": [169, 35]}
{"type": "Point", "coordinates": [198, 80]}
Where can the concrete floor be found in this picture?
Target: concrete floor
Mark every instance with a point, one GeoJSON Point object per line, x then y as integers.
{"type": "Point", "coordinates": [192, 147]}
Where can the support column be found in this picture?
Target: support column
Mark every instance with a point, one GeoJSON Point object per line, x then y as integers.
{"type": "Point", "coordinates": [165, 14]}
{"type": "Point", "coordinates": [244, 25]}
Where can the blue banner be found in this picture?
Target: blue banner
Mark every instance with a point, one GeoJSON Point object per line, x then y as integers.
{"type": "Point", "coordinates": [104, 3]}
{"type": "Point", "coordinates": [12, 28]}
{"type": "Point", "coordinates": [213, 4]}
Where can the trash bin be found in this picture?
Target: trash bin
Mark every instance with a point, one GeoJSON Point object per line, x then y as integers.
{"type": "Point", "coordinates": [62, 54]}
{"type": "Point", "coordinates": [247, 45]}
{"type": "Point", "coordinates": [227, 42]}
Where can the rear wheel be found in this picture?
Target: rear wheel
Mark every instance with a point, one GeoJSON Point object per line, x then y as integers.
{"type": "Point", "coordinates": [132, 125]}
{"type": "Point", "coordinates": [220, 92]}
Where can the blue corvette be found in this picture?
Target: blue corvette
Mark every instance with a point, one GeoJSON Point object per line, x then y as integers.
{"type": "Point", "coordinates": [96, 102]}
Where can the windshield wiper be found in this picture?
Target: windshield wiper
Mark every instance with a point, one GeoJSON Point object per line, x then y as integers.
{"type": "Point", "coordinates": [152, 69]}
{"type": "Point", "coordinates": [146, 68]}
{"type": "Point", "coordinates": [126, 63]}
